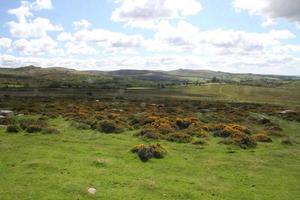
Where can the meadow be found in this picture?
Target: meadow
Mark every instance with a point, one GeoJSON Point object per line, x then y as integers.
{"type": "Point", "coordinates": [222, 141]}
{"type": "Point", "coordinates": [63, 166]}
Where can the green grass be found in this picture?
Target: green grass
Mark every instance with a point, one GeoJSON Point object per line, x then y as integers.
{"type": "Point", "coordinates": [285, 95]}
{"type": "Point", "coordinates": [63, 167]}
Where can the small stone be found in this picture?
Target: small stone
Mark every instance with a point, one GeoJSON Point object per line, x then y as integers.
{"type": "Point", "coordinates": [92, 190]}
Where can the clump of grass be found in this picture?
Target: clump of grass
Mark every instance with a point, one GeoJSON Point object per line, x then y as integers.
{"type": "Point", "coordinates": [262, 137]}
{"type": "Point", "coordinates": [50, 130]}
{"type": "Point", "coordinates": [180, 137]}
{"type": "Point", "coordinates": [146, 152]}
{"type": "Point", "coordinates": [199, 142]}
{"type": "Point", "coordinates": [12, 128]}
{"type": "Point", "coordinates": [286, 141]}
{"type": "Point", "coordinates": [81, 126]}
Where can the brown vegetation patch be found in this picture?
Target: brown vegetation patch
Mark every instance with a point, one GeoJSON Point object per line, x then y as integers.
{"type": "Point", "coordinates": [146, 152]}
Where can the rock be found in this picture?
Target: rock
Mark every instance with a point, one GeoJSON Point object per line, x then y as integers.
{"type": "Point", "coordinates": [6, 113]}
{"type": "Point", "coordinates": [92, 190]}
{"type": "Point", "coordinates": [284, 112]}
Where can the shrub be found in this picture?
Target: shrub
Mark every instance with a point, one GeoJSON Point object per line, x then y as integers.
{"type": "Point", "coordinates": [179, 137]}
{"type": "Point", "coordinates": [81, 126]}
{"type": "Point", "coordinates": [229, 130]}
{"type": "Point", "coordinates": [261, 137]}
{"type": "Point", "coordinates": [286, 141]}
{"type": "Point", "coordinates": [13, 129]}
{"type": "Point", "coordinates": [243, 140]}
{"type": "Point", "coordinates": [150, 133]}
{"type": "Point", "coordinates": [33, 128]}
{"type": "Point", "coordinates": [146, 152]}
{"type": "Point", "coordinates": [183, 123]}
{"type": "Point", "coordinates": [109, 126]}
{"type": "Point", "coordinates": [199, 142]}
{"type": "Point", "coordinates": [51, 130]}
{"type": "Point", "coordinates": [7, 121]}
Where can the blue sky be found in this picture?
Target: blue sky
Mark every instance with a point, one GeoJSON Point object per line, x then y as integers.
{"type": "Point", "coordinates": [256, 36]}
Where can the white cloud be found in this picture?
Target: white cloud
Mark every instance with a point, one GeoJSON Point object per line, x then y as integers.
{"type": "Point", "coordinates": [65, 37]}
{"type": "Point", "coordinates": [35, 28]}
{"type": "Point", "coordinates": [219, 41]}
{"type": "Point", "coordinates": [146, 13]}
{"type": "Point", "coordinates": [79, 49]}
{"type": "Point", "coordinates": [5, 43]}
{"type": "Point", "coordinates": [25, 27]}
{"type": "Point", "coordinates": [85, 24]}
{"type": "Point", "coordinates": [42, 4]}
{"type": "Point", "coordinates": [108, 38]}
{"type": "Point", "coordinates": [271, 9]}
{"type": "Point", "coordinates": [40, 46]}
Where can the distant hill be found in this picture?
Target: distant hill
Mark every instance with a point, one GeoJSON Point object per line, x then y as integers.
{"type": "Point", "coordinates": [63, 77]}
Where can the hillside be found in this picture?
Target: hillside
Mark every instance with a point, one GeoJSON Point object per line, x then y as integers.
{"type": "Point", "coordinates": [62, 77]}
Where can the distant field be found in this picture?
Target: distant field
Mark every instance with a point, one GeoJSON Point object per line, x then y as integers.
{"type": "Point", "coordinates": [289, 94]}
{"type": "Point", "coordinates": [285, 95]}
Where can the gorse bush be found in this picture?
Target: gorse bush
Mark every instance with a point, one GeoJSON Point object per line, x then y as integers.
{"type": "Point", "coordinates": [146, 152]}
{"type": "Point", "coordinates": [149, 132]}
{"type": "Point", "coordinates": [262, 137]}
{"type": "Point", "coordinates": [109, 126]}
{"type": "Point", "coordinates": [33, 126]}
{"type": "Point", "coordinates": [179, 137]}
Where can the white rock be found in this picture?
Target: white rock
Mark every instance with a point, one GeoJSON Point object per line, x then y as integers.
{"type": "Point", "coordinates": [6, 112]}
{"type": "Point", "coordinates": [92, 190]}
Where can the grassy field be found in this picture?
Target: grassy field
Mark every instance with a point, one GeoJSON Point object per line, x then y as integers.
{"type": "Point", "coordinates": [36, 166]}
{"type": "Point", "coordinates": [287, 94]}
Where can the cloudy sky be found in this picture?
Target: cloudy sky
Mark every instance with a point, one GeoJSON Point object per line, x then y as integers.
{"type": "Point", "coordinates": [256, 36]}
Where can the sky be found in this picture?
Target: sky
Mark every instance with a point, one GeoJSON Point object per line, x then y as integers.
{"type": "Point", "coordinates": [239, 36]}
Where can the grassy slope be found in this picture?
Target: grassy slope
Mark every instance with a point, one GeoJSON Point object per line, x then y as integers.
{"type": "Point", "coordinates": [62, 167]}
{"type": "Point", "coordinates": [286, 95]}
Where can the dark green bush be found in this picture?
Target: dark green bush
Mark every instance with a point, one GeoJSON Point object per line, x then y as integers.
{"type": "Point", "coordinates": [33, 128]}
{"type": "Point", "coordinates": [109, 126]}
{"type": "Point", "coordinates": [150, 133]}
{"type": "Point", "coordinates": [12, 129]}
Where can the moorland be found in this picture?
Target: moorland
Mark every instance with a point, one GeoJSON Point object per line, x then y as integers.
{"type": "Point", "coordinates": [131, 134]}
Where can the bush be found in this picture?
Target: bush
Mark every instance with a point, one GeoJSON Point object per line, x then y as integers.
{"type": "Point", "coordinates": [150, 133]}
{"type": "Point", "coordinates": [146, 152]}
{"type": "Point", "coordinates": [81, 126]}
{"type": "Point", "coordinates": [33, 128]}
{"type": "Point", "coordinates": [243, 140]}
{"type": "Point", "coordinates": [199, 142]}
{"type": "Point", "coordinates": [33, 125]}
{"type": "Point", "coordinates": [13, 129]}
{"type": "Point", "coordinates": [7, 121]}
{"type": "Point", "coordinates": [183, 123]}
{"type": "Point", "coordinates": [179, 137]}
{"type": "Point", "coordinates": [51, 130]}
{"type": "Point", "coordinates": [229, 130]}
{"type": "Point", "coordinates": [286, 141]}
{"type": "Point", "coordinates": [108, 126]}
{"type": "Point", "coordinates": [261, 137]}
